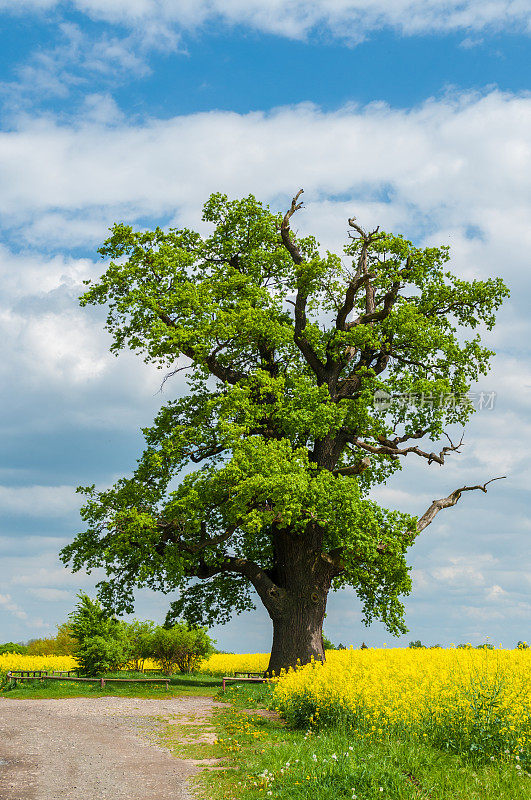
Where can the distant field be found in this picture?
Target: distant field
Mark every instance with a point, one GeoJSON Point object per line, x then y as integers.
{"type": "Point", "coordinates": [219, 664]}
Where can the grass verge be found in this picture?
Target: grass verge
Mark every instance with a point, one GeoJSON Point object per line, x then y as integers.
{"type": "Point", "coordinates": [267, 759]}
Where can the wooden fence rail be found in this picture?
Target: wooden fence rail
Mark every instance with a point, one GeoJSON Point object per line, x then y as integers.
{"type": "Point", "coordinates": [67, 677]}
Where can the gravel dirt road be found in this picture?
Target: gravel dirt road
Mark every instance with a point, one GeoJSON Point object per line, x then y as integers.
{"type": "Point", "coordinates": [94, 749]}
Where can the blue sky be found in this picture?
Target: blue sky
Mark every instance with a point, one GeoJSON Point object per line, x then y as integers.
{"type": "Point", "coordinates": [415, 116]}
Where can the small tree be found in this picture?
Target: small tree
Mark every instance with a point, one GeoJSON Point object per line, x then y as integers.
{"type": "Point", "coordinates": [103, 645]}
{"type": "Point", "coordinates": [180, 647]}
{"type": "Point", "coordinates": [66, 643]}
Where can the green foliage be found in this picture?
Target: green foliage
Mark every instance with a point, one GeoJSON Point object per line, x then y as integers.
{"type": "Point", "coordinates": [99, 654]}
{"type": "Point", "coordinates": [11, 647]}
{"type": "Point", "coordinates": [280, 406]}
{"type": "Point", "coordinates": [416, 644]}
{"type": "Point", "coordinates": [103, 642]}
{"type": "Point", "coordinates": [522, 646]}
{"type": "Point", "coordinates": [139, 636]}
{"type": "Point", "coordinates": [63, 644]}
{"type": "Point", "coordinates": [89, 619]}
{"type": "Point", "coordinates": [179, 647]}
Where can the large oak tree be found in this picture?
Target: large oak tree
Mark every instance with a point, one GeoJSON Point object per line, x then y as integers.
{"type": "Point", "coordinates": [259, 477]}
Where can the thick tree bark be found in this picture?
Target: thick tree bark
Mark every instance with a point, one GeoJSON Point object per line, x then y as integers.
{"type": "Point", "coordinates": [298, 636]}
{"type": "Point", "coordinates": [304, 578]}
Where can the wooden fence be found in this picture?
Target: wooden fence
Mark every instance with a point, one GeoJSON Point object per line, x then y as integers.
{"type": "Point", "coordinates": [32, 675]}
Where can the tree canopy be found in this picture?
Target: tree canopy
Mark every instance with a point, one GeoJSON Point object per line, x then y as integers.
{"type": "Point", "coordinates": [259, 477]}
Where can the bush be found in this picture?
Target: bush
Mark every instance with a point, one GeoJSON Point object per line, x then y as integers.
{"type": "Point", "coordinates": [180, 647]}
{"type": "Point", "coordinates": [98, 655]}
{"type": "Point", "coordinates": [139, 636]}
{"type": "Point", "coordinates": [89, 619]}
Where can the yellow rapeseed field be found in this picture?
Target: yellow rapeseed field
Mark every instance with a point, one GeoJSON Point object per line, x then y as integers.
{"type": "Point", "coordinates": [229, 663]}
{"type": "Point", "coordinates": [12, 661]}
{"type": "Point", "coordinates": [465, 700]}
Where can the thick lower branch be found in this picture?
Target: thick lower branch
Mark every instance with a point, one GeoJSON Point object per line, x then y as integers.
{"type": "Point", "coordinates": [271, 595]}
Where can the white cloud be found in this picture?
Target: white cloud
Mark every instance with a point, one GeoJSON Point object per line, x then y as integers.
{"type": "Point", "coordinates": [50, 595]}
{"type": "Point", "coordinates": [495, 593]}
{"type": "Point", "coordinates": [7, 603]}
{"type": "Point", "coordinates": [349, 20]}
{"type": "Point", "coordinates": [80, 58]}
{"type": "Point", "coordinates": [37, 501]}
{"type": "Point", "coordinates": [460, 161]}
{"type": "Point", "coordinates": [464, 571]}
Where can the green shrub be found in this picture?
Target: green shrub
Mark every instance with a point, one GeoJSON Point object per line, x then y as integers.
{"type": "Point", "coordinates": [98, 655]}
{"type": "Point", "coordinates": [179, 647]}
{"type": "Point", "coordinates": [139, 636]}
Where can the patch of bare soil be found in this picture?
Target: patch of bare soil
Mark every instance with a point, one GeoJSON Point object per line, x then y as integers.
{"type": "Point", "coordinates": [95, 748]}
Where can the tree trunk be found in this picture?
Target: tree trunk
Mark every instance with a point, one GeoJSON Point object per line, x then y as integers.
{"type": "Point", "coordinates": [298, 635]}
{"type": "Point", "coordinates": [297, 611]}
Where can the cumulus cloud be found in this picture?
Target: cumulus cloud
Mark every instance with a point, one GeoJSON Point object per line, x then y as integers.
{"type": "Point", "coordinates": [349, 20]}
{"type": "Point", "coordinates": [464, 571]}
{"type": "Point", "coordinates": [495, 593]}
{"type": "Point", "coordinates": [446, 165]}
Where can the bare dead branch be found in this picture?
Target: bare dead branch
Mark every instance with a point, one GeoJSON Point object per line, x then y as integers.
{"type": "Point", "coordinates": [302, 295]}
{"type": "Point", "coordinates": [389, 447]}
{"type": "Point", "coordinates": [171, 374]}
{"type": "Point", "coordinates": [285, 231]}
{"type": "Point", "coordinates": [446, 502]}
